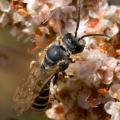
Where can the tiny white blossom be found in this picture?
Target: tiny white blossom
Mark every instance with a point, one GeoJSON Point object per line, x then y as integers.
{"type": "Point", "coordinates": [5, 6]}
{"type": "Point", "coordinates": [113, 109]}
{"type": "Point", "coordinates": [17, 17]}
{"type": "Point", "coordinates": [114, 91]}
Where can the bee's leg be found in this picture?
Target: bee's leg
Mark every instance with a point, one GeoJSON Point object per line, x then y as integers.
{"type": "Point", "coordinates": [55, 79]}
{"type": "Point", "coordinates": [53, 84]}
{"type": "Point", "coordinates": [64, 65]}
{"type": "Point", "coordinates": [54, 87]}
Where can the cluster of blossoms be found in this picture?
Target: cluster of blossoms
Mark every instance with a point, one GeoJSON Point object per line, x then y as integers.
{"type": "Point", "coordinates": [90, 90]}
{"type": "Point", "coordinates": [33, 20]}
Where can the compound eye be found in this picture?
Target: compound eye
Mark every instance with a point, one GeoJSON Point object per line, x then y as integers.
{"type": "Point", "coordinates": [82, 42]}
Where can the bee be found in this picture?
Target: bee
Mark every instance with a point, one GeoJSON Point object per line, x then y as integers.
{"type": "Point", "coordinates": [33, 92]}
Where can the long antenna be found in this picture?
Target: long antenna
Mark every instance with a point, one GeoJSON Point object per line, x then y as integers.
{"type": "Point", "coordinates": [78, 16]}
{"type": "Point", "coordinates": [88, 35]}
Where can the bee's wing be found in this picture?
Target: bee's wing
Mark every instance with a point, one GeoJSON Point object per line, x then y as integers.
{"type": "Point", "coordinates": [29, 89]}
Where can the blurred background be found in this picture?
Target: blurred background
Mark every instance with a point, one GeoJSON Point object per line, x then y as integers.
{"type": "Point", "coordinates": [14, 64]}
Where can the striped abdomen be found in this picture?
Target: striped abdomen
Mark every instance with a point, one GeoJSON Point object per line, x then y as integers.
{"type": "Point", "coordinates": [41, 102]}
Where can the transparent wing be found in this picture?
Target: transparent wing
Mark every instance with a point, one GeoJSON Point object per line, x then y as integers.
{"type": "Point", "coordinates": [29, 88]}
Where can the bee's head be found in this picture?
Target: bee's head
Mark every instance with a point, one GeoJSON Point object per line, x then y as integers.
{"type": "Point", "coordinates": [72, 44]}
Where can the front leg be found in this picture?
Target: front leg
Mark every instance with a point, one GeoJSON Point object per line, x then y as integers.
{"type": "Point", "coordinates": [63, 65]}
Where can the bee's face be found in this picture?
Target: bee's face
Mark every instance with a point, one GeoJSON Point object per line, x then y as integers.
{"type": "Point", "coordinates": [82, 42]}
{"type": "Point", "coordinates": [73, 44]}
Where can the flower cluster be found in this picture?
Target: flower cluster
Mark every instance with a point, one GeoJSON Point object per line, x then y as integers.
{"type": "Point", "coordinates": [90, 86]}
{"type": "Point", "coordinates": [33, 20]}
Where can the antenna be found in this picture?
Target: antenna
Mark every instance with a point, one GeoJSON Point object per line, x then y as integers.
{"type": "Point", "coordinates": [78, 22]}
{"type": "Point", "coordinates": [78, 16]}
{"type": "Point", "coordinates": [88, 35]}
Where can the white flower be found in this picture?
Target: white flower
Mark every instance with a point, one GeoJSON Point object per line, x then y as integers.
{"type": "Point", "coordinates": [114, 91]}
{"type": "Point", "coordinates": [56, 112]}
{"type": "Point", "coordinates": [4, 19]}
{"type": "Point", "coordinates": [31, 4]}
{"type": "Point", "coordinates": [5, 6]}
{"type": "Point", "coordinates": [17, 17]}
{"type": "Point", "coordinates": [60, 3]}
{"type": "Point", "coordinates": [86, 71]}
{"type": "Point", "coordinates": [113, 108]}
{"type": "Point", "coordinates": [101, 27]}
{"type": "Point", "coordinates": [111, 11]}
{"type": "Point", "coordinates": [96, 68]}
{"type": "Point", "coordinates": [117, 71]}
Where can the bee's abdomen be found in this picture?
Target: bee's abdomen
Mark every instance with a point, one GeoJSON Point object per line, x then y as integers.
{"type": "Point", "coordinates": [41, 102]}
